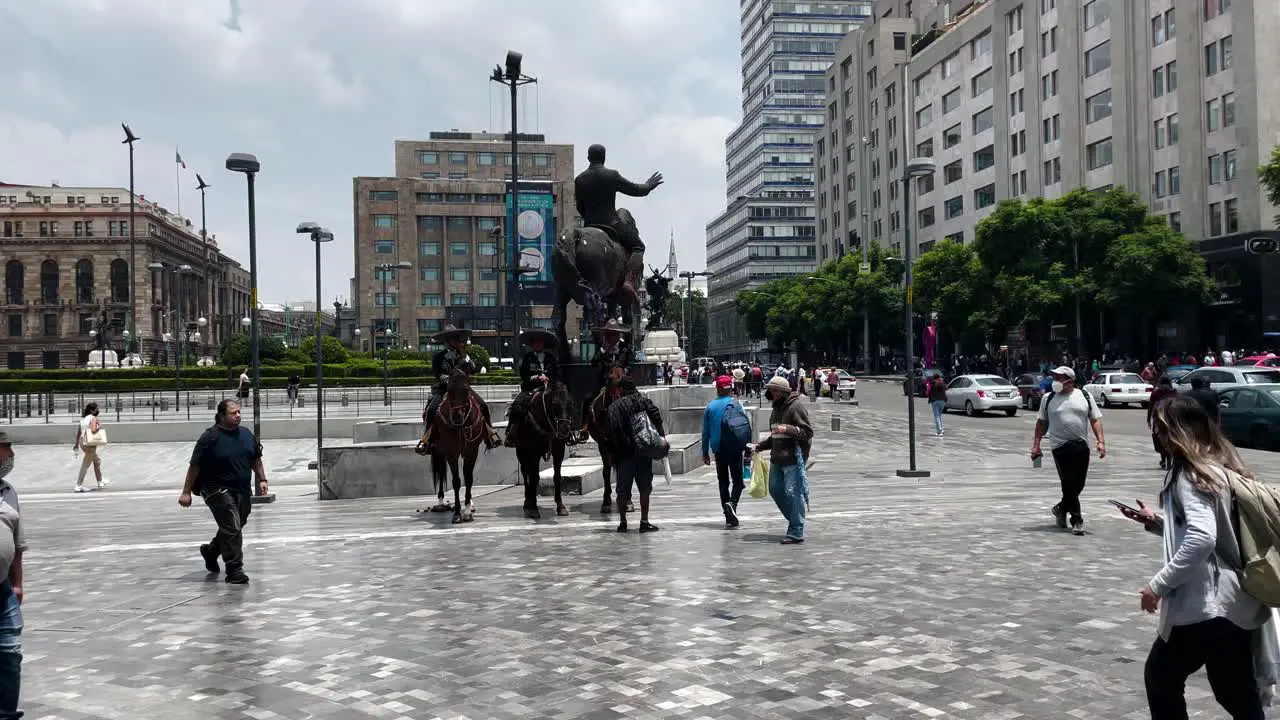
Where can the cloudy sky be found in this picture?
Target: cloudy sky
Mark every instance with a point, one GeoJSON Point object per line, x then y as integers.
{"type": "Point", "coordinates": [319, 89]}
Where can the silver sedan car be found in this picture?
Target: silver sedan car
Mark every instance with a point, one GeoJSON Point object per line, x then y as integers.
{"type": "Point", "coordinates": [982, 393]}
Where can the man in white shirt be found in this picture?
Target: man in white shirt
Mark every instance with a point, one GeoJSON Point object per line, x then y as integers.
{"type": "Point", "coordinates": [1066, 416]}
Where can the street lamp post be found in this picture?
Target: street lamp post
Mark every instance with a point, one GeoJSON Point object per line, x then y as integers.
{"type": "Point", "coordinates": [249, 165]}
{"type": "Point", "coordinates": [685, 306]}
{"type": "Point", "coordinates": [203, 310]}
{"type": "Point", "coordinates": [384, 270]}
{"type": "Point", "coordinates": [130, 139]}
{"type": "Point", "coordinates": [179, 330]}
{"type": "Point", "coordinates": [318, 235]}
{"type": "Point", "coordinates": [916, 167]}
{"type": "Point", "coordinates": [513, 79]}
{"type": "Point", "coordinates": [866, 308]}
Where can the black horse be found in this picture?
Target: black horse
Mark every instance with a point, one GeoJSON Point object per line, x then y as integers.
{"type": "Point", "coordinates": [588, 266]}
{"type": "Point", "coordinates": [547, 428]}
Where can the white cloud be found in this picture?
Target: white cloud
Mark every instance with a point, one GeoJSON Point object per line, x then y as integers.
{"type": "Point", "coordinates": [319, 89]}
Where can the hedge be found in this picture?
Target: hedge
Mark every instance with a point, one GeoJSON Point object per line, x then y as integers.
{"type": "Point", "coordinates": [281, 371]}
{"type": "Point", "coordinates": [136, 384]}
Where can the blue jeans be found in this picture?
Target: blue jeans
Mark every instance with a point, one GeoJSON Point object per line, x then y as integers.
{"type": "Point", "coordinates": [10, 653]}
{"type": "Point", "coordinates": [789, 488]}
{"type": "Point", "coordinates": [938, 406]}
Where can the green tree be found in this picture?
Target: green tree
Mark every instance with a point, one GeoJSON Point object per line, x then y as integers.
{"type": "Point", "coordinates": [1153, 273]}
{"type": "Point", "coordinates": [235, 350]}
{"type": "Point", "coordinates": [1269, 178]}
{"type": "Point", "coordinates": [479, 355]}
{"type": "Point", "coordinates": [333, 349]}
{"type": "Point", "coordinates": [949, 280]}
{"type": "Point", "coordinates": [697, 319]}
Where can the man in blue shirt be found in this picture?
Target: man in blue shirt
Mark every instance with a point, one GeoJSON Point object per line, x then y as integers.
{"type": "Point", "coordinates": [728, 460]}
{"type": "Point", "coordinates": [220, 466]}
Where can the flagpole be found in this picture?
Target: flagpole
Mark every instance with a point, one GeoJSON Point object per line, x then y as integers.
{"type": "Point", "coordinates": [177, 178]}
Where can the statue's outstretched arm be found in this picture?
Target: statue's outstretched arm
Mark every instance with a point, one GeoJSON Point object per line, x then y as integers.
{"type": "Point", "coordinates": [626, 187]}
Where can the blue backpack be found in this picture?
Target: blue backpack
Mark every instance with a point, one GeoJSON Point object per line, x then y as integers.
{"type": "Point", "coordinates": [735, 429]}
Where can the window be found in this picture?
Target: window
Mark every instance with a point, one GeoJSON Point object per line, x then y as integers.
{"type": "Point", "coordinates": [50, 323]}
{"type": "Point", "coordinates": [1169, 29]}
{"type": "Point", "coordinates": [429, 248]}
{"type": "Point", "coordinates": [1224, 47]}
{"type": "Point", "coordinates": [1099, 154]}
{"type": "Point", "coordinates": [981, 83]}
{"type": "Point", "coordinates": [1229, 165]}
{"type": "Point", "coordinates": [1049, 85]}
{"type": "Point", "coordinates": [1013, 20]}
{"type": "Point", "coordinates": [950, 65]}
{"type": "Point", "coordinates": [1161, 139]}
{"type": "Point", "coordinates": [458, 249]}
{"type": "Point", "coordinates": [15, 326]}
{"type": "Point", "coordinates": [382, 195]}
{"type": "Point", "coordinates": [460, 274]}
{"type": "Point", "coordinates": [429, 274]}
{"type": "Point", "coordinates": [1017, 143]}
{"type": "Point", "coordinates": [1161, 184]}
{"type": "Point", "coordinates": [950, 101]}
{"type": "Point", "coordinates": [1215, 219]}
{"type": "Point", "coordinates": [486, 158]}
{"type": "Point", "coordinates": [952, 172]}
{"type": "Point", "coordinates": [488, 299]}
{"type": "Point", "coordinates": [1052, 171]}
{"type": "Point", "coordinates": [541, 160]}
{"type": "Point", "coordinates": [1172, 122]}
{"type": "Point", "coordinates": [984, 158]}
{"type": "Point", "coordinates": [1175, 221]}
{"type": "Point", "coordinates": [457, 197]}
{"type": "Point", "coordinates": [1047, 5]}
{"type": "Point", "coordinates": [1097, 58]}
{"type": "Point", "coordinates": [487, 224]}
{"type": "Point", "coordinates": [1052, 128]}
{"type": "Point", "coordinates": [388, 274]}
{"type": "Point", "coordinates": [1212, 112]}
{"type": "Point", "coordinates": [487, 249]}
{"type": "Point", "coordinates": [1049, 42]}
{"type": "Point", "coordinates": [1015, 62]}
{"type": "Point", "coordinates": [984, 196]}
{"type": "Point", "coordinates": [1015, 103]}
{"type": "Point", "coordinates": [459, 298]}
{"type": "Point", "coordinates": [925, 148]}
{"type": "Point", "coordinates": [1098, 107]}
{"type": "Point", "coordinates": [924, 184]}
{"type": "Point", "coordinates": [954, 207]}
{"type": "Point", "coordinates": [982, 121]}
{"type": "Point", "coordinates": [1211, 58]}
{"type": "Point", "coordinates": [1157, 30]}
{"type": "Point", "coordinates": [1018, 183]}
{"type": "Point", "coordinates": [1171, 76]}
{"type": "Point", "coordinates": [899, 41]}
{"type": "Point", "coordinates": [458, 223]}
{"type": "Point", "coordinates": [425, 198]}
{"type": "Point", "coordinates": [980, 46]}
{"type": "Point", "coordinates": [488, 275]}
{"type": "Point", "coordinates": [924, 116]}
{"type": "Point", "coordinates": [1175, 180]}
{"type": "Point", "coordinates": [1228, 112]}
{"type": "Point", "coordinates": [1157, 82]}
{"type": "Point", "coordinates": [384, 247]}
{"type": "Point", "coordinates": [890, 95]}
{"type": "Point", "coordinates": [430, 300]}
{"type": "Point", "coordinates": [384, 299]}
{"type": "Point", "coordinates": [1096, 13]}
{"type": "Point", "coordinates": [924, 218]}
{"type": "Point", "coordinates": [428, 157]}
{"type": "Point", "coordinates": [457, 158]}
{"type": "Point", "coordinates": [951, 137]}
{"type": "Point", "coordinates": [1231, 209]}
{"type": "Point", "coordinates": [1215, 169]}
{"type": "Point", "coordinates": [384, 222]}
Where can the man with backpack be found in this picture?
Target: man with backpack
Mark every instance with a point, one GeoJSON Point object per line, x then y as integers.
{"type": "Point", "coordinates": [726, 433]}
{"type": "Point", "coordinates": [637, 439]}
{"type": "Point", "coordinates": [1066, 416]}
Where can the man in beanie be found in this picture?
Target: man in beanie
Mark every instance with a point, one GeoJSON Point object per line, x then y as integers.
{"type": "Point", "coordinates": [789, 442]}
{"type": "Point", "coordinates": [728, 455]}
{"type": "Point", "coordinates": [13, 544]}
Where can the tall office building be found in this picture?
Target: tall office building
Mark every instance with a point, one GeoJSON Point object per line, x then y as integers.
{"type": "Point", "coordinates": [1019, 98]}
{"type": "Point", "coordinates": [767, 228]}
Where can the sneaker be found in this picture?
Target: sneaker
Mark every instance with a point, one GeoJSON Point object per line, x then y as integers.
{"type": "Point", "coordinates": [237, 578]}
{"type": "Point", "coordinates": [103, 483]}
{"type": "Point", "coordinates": [1077, 527]}
{"type": "Point", "coordinates": [210, 559]}
{"type": "Point", "coordinates": [1059, 517]}
{"type": "Point", "coordinates": [622, 526]}
{"type": "Point", "coordinates": [79, 489]}
{"type": "Point", "coordinates": [730, 515]}
{"type": "Point", "coordinates": [792, 541]}
{"type": "Point", "coordinates": [646, 527]}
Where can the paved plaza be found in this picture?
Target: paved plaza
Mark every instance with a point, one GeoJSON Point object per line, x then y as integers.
{"type": "Point", "coordinates": [948, 597]}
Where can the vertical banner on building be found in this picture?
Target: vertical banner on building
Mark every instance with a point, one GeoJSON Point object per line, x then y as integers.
{"type": "Point", "coordinates": [535, 241]}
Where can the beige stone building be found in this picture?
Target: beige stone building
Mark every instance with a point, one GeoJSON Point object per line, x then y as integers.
{"type": "Point", "coordinates": [65, 257]}
{"type": "Point", "coordinates": [446, 213]}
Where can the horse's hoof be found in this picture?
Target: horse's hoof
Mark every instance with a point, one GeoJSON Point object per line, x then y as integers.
{"type": "Point", "coordinates": [533, 513]}
{"type": "Point", "coordinates": [457, 519]}
{"type": "Point", "coordinates": [562, 511]}
{"type": "Point", "coordinates": [606, 509]}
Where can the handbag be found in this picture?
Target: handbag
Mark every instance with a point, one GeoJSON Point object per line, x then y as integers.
{"type": "Point", "coordinates": [648, 442]}
{"type": "Point", "coordinates": [759, 487]}
{"type": "Point", "coordinates": [95, 439]}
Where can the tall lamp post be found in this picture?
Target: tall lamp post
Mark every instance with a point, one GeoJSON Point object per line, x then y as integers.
{"type": "Point", "coordinates": [179, 329]}
{"type": "Point", "coordinates": [513, 79]}
{"type": "Point", "coordinates": [249, 165]}
{"type": "Point", "coordinates": [916, 167]}
{"type": "Point", "coordinates": [685, 306]}
{"type": "Point", "coordinates": [866, 309]}
{"type": "Point", "coordinates": [384, 271]}
{"type": "Point", "coordinates": [203, 308]}
{"type": "Point", "coordinates": [130, 139]}
{"type": "Point", "coordinates": [319, 236]}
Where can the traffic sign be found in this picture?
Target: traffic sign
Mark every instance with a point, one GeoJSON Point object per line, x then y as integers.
{"type": "Point", "coordinates": [864, 267]}
{"type": "Point", "coordinates": [1262, 245]}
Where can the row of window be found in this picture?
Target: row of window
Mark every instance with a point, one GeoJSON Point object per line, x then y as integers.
{"type": "Point", "coordinates": [433, 197]}
{"type": "Point", "coordinates": [432, 248]}
{"type": "Point", "coordinates": [1224, 217]}
{"type": "Point", "coordinates": [48, 199]}
{"type": "Point", "coordinates": [436, 222]}
{"type": "Point", "coordinates": [432, 157]}
{"type": "Point", "coordinates": [436, 300]}
{"type": "Point", "coordinates": [15, 281]}
{"type": "Point", "coordinates": [52, 228]}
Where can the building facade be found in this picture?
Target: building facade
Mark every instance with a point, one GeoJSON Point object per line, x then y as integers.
{"type": "Point", "coordinates": [446, 212]}
{"type": "Point", "coordinates": [767, 229]}
{"type": "Point", "coordinates": [65, 257]}
{"type": "Point", "coordinates": [1022, 98]}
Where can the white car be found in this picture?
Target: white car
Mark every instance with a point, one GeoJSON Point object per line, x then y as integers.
{"type": "Point", "coordinates": [1221, 378]}
{"type": "Point", "coordinates": [981, 393]}
{"type": "Point", "coordinates": [848, 384]}
{"type": "Point", "coordinates": [1119, 388]}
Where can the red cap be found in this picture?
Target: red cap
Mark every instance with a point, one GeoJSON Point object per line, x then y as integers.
{"type": "Point", "coordinates": [724, 381]}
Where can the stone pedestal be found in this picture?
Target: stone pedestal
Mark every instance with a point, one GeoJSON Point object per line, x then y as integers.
{"type": "Point", "coordinates": [98, 359]}
{"type": "Point", "coordinates": [661, 346]}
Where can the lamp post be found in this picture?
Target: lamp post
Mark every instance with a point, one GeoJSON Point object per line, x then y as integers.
{"type": "Point", "coordinates": [318, 235]}
{"type": "Point", "coordinates": [689, 275]}
{"type": "Point", "coordinates": [916, 167]}
{"type": "Point", "coordinates": [179, 330]}
{"type": "Point", "coordinates": [383, 271]}
{"type": "Point", "coordinates": [203, 309]}
{"type": "Point", "coordinates": [866, 309]}
{"type": "Point", "coordinates": [130, 139]}
{"type": "Point", "coordinates": [249, 165]}
{"type": "Point", "coordinates": [513, 79]}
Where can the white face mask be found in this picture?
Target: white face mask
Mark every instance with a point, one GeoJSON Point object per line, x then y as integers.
{"type": "Point", "coordinates": [6, 467]}
{"type": "Point", "coordinates": [1057, 386]}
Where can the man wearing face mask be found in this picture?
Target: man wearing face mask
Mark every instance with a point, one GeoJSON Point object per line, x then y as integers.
{"type": "Point", "coordinates": [790, 439]}
{"type": "Point", "coordinates": [13, 544]}
{"type": "Point", "coordinates": [1066, 416]}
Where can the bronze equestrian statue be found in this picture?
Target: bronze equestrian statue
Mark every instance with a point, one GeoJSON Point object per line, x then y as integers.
{"type": "Point", "coordinates": [598, 265]}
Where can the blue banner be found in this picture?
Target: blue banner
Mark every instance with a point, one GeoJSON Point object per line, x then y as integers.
{"type": "Point", "coordinates": [535, 241]}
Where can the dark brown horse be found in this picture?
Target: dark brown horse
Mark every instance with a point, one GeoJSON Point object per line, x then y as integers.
{"type": "Point", "coordinates": [547, 428]}
{"type": "Point", "coordinates": [598, 427]}
{"type": "Point", "coordinates": [459, 431]}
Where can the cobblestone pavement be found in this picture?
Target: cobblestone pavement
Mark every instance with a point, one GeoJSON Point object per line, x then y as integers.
{"type": "Point", "coordinates": [950, 597]}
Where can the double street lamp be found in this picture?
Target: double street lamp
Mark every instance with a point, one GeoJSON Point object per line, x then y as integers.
{"type": "Point", "coordinates": [689, 275]}
{"type": "Point", "coordinates": [318, 236]}
{"type": "Point", "coordinates": [916, 168]}
{"type": "Point", "coordinates": [179, 327]}
{"type": "Point", "coordinates": [383, 271]}
{"type": "Point", "coordinates": [130, 139]}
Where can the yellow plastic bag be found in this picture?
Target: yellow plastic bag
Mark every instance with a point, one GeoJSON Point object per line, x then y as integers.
{"type": "Point", "coordinates": [759, 487]}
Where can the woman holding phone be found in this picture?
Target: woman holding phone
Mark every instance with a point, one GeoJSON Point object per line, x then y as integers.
{"type": "Point", "coordinates": [1206, 619]}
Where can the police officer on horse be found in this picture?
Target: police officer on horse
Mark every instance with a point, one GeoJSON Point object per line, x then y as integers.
{"type": "Point", "coordinates": [453, 357]}
{"type": "Point", "coordinates": [538, 369]}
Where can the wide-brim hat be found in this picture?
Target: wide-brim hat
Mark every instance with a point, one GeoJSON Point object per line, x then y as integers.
{"type": "Point", "coordinates": [5, 440]}
{"type": "Point", "coordinates": [547, 337]}
{"type": "Point", "coordinates": [449, 332]}
{"type": "Point", "coordinates": [612, 326]}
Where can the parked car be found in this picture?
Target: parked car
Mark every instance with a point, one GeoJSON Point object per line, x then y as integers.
{"type": "Point", "coordinates": [1268, 360]}
{"type": "Point", "coordinates": [1221, 378]}
{"type": "Point", "coordinates": [982, 393]}
{"type": "Point", "coordinates": [920, 381]}
{"type": "Point", "coordinates": [1028, 385]}
{"type": "Point", "coordinates": [1119, 388]}
{"type": "Point", "coordinates": [1175, 372]}
{"type": "Point", "coordinates": [848, 383]}
{"type": "Point", "coordinates": [1251, 415]}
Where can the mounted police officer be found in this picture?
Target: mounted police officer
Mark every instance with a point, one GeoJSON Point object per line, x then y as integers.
{"type": "Point", "coordinates": [538, 369]}
{"type": "Point", "coordinates": [596, 190]}
{"type": "Point", "coordinates": [453, 357]}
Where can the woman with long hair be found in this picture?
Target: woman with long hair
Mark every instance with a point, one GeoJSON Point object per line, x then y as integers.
{"type": "Point", "coordinates": [1163, 391]}
{"type": "Point", "coordinates": [1206, 619]}
{"type": "Point", "coordinates": [88, 426]}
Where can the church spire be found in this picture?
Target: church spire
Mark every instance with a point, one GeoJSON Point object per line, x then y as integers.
{"type": "Point", "coordinates": [673, 270]}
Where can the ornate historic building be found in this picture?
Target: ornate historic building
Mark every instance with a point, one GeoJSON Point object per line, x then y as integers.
{"type": "Point", "coordinates": [65, 255]}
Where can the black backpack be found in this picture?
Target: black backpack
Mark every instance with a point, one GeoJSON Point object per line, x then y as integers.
{"type": "Point", "coordinates": [1049, 396]}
